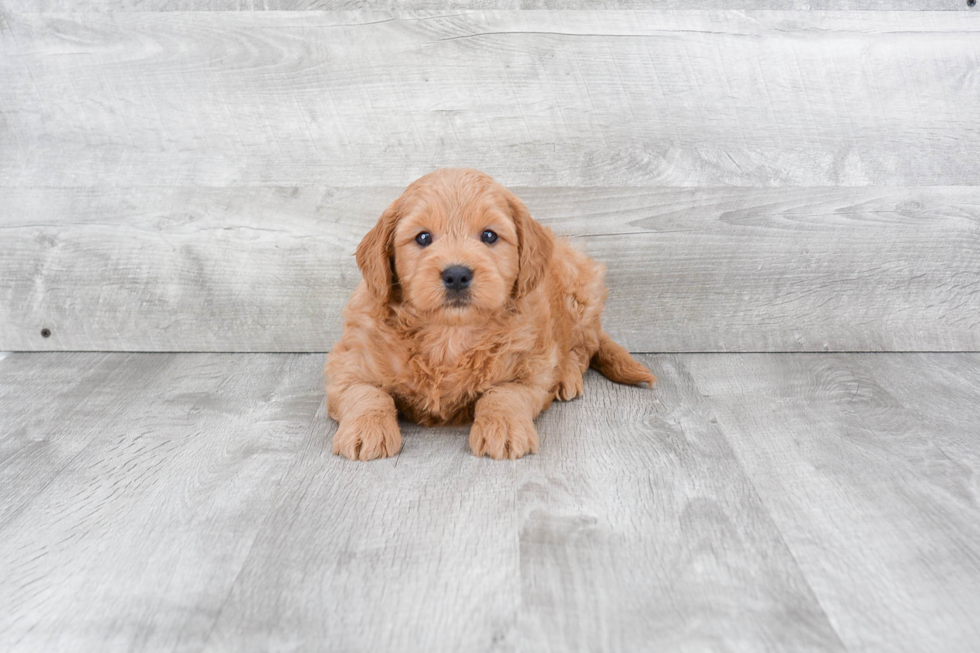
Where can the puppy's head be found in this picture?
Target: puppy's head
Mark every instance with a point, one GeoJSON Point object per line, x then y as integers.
{"type": "Point", "coordinates": [456, 246]}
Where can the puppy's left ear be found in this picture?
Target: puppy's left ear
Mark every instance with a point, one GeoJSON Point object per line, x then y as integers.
{"type": "Point", "coordinates": [376, 252]}
{"type": "Point", "coordinates": [534, 245]}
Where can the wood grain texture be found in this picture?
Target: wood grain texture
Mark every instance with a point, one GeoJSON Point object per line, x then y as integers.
{"type": "Point", "coordinates": [419, 552]}
{"type": "Point", "coordinates": [269, 269]}
{"type": "Point", "coordinates": [196, 181]}
{"type": "Point", "coordinates": [547, 554]}
{"type": "Point", "coordinates": [547, 98]}
{"type": "Point", "coordinates": [641, 532]}
{"type": "Point", "coordinates": [155, 472]}
{"type": "Point", "coordinates": [869, 466]}
{"type": "Point", "coordinates": [749, 502]}
{"type": "Point", "coordinates": [208, 514]}
{"type": "Point", "coordinates": [33, 451]}
{"type": "Point", "coordinates": [492, 5]}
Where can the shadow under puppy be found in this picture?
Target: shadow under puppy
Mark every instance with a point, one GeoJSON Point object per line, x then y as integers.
{"type": "Point", "coordinates": [469, 310]}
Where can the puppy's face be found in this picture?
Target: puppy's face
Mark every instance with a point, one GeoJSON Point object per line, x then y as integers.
{"type": "Point", "coordinates": [456, 251]}
{"type": "Point", "coordinates": [458, 246]}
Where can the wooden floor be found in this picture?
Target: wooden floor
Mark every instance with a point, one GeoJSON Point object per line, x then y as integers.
{"type": "Point", "coordinates": [749, 502]}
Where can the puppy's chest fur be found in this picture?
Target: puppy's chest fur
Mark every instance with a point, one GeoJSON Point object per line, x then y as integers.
{"type": "Point", "coordinates": [444, 371]}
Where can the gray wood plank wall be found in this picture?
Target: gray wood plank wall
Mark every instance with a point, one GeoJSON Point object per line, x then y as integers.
{"type": "Point", "coordinates": [755, 180]}
{"type": "Point", "coordinates": [442, 5]}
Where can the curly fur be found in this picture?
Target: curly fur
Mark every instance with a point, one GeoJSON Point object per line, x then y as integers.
{"type": "Point", "coordinates": [530, 330]}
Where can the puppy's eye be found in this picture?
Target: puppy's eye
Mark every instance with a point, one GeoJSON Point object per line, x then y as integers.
{"type": "Point", "coordinates": [424, 239]}
{"type": "Point", "coordinates": [488, 237]}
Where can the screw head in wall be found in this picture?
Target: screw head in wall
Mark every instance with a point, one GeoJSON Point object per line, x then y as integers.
{"type": "Point", "coordinates": [45, 333]}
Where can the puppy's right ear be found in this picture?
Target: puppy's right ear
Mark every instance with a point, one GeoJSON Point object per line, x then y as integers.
{"type": "Point", "coordinates": [375, 254]}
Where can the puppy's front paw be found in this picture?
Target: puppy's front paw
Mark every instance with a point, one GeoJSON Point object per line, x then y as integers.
{"type": "Point", "coordinates": [501, 436]}
{"type": "Point", "coordinates": [571, 386]}
{"type": "Point", "coordinates": [366, 437]}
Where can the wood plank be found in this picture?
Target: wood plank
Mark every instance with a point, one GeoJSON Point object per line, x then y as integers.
{"type": "Point", "coordinates": [774, 502]}
{"type": "Point", "coordinates": [37, 446]}
{"type": "Point", "coordinates": [494, 5]}
{"type": "Point", "coordinates": [133, 544]}
{"type": "Point", "coordinates": [269, 269]}
{"type": "Point", "coordinates": [641, 532]}
{"type": "Point", "coordinates": [210, 514]}
{"type": "Point", "coordinates": [954, 386]}
{"type": "Point", "coordinates": [547, 98]}
{"type": "Point", "coordinates": [422, 552]}
{"type": "Point", "coordinates": [868, 465]}
{"type": "Point", "coordinates": [414, 553]}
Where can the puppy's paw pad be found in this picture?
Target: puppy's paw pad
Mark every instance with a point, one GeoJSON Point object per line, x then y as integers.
{"type": "Point", "coordinates": [503, 436]}
{"type": "Point", "coordinates": [366, 437]}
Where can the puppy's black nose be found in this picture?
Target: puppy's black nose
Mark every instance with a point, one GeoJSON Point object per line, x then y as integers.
{"type": "Point", "coordinates": [457, 277]}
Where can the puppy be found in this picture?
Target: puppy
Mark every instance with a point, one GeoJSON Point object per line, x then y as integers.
{"type": "Point", "coordinates": [469, 311]}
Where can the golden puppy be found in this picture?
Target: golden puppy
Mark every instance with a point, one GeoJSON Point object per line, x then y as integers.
{"type": "Point", "coordinates": [469, 311]}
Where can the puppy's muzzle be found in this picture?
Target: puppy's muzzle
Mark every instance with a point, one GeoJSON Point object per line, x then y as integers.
{"type": "Point", "coordinates": [456, 279]}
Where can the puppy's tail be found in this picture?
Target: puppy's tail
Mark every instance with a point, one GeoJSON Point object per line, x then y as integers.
{"type": "Point", "coordinates": [616, 364]}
